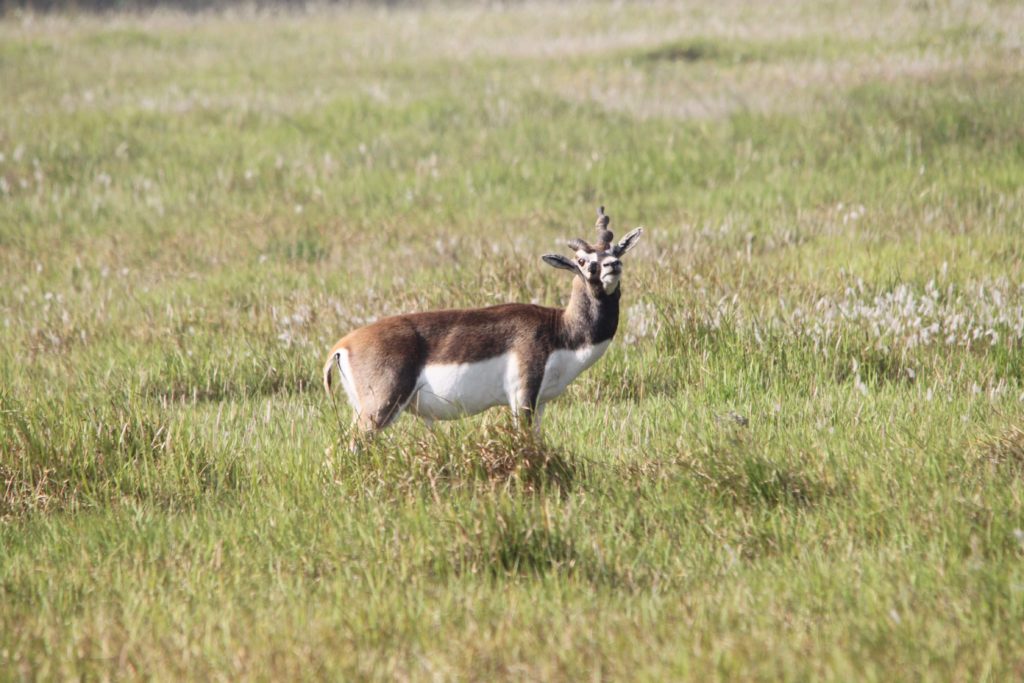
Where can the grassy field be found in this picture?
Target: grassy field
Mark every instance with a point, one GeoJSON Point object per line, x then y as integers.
{"type": "Point", "coordinates": [802, 458]}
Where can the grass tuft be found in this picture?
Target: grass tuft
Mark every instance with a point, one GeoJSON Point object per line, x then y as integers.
{"type": "Point", "coordinates": [735, 471]}
{"type": "Point", "coordinates": [1005, 452]}
{"type": "Point", "coordinates": [495, 456]}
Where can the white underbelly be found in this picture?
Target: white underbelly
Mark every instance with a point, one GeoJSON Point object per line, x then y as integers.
{"type": "Point", "coordinates": [564, 366]}
{"type": "Point", "coordinates": [451, 390]}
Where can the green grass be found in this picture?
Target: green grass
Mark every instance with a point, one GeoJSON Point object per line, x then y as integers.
{"type": "Point", "coordinates": [802, 457]}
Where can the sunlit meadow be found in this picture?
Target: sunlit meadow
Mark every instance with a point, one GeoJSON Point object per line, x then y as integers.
{"type": "Point", "coordinates": [802, 458]}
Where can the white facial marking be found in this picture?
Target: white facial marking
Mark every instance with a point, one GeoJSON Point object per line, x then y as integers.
{"type": "Point", "coordinates": [587, 258]}
{"type": "Point", "coordinates": [609, 268]}
{"type": "Point", "coordinates": [611, 272]}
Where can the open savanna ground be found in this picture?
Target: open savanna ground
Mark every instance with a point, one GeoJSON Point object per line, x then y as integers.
{"type": "Point", "coordinates": [801, 458]}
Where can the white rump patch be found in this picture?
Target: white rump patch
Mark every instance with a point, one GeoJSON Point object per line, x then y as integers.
{"type": "Point", "coordinates": [564, 366]}
{"type": "Point", "coordinates": [347, 380]}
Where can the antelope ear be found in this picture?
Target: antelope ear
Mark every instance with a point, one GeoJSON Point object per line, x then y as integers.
{"type": "Point", "coordinates": [578, 245]}
{"type": "Point", "coordinates": [558, 261]}
{"type": "Point", "coordinates": [627, 242]}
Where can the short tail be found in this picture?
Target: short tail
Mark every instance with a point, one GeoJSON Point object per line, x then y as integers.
{"type": "Point", "coordinates": [332, 360]}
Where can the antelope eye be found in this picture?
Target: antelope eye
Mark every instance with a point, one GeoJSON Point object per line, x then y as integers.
{"type": "Point", "coordinates": [581, 261]}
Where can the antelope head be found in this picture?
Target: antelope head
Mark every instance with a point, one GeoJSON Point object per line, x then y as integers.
{"type": "Point", "coordinates": [598, 264]}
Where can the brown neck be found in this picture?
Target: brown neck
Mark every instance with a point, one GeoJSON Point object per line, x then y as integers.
{"type": "Point", "coordinates": [591, 316]}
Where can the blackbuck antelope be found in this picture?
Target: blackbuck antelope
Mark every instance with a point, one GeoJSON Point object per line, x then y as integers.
{"type": "Point", "coordinates": [441, 365]}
